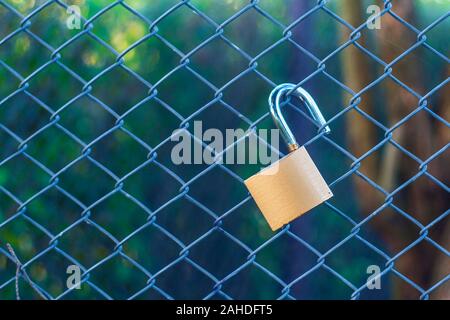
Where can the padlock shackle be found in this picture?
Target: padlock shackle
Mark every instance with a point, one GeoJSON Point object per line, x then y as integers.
{"type": "Point", "coordinates": [278, 118]}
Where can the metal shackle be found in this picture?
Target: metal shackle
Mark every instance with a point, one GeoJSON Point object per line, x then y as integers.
{"type": "Point", "coordinates": [275, 110]}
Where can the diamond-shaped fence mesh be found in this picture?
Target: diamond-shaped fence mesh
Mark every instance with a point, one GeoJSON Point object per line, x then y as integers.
{"type": "Point", "coordinates": [86, 177]}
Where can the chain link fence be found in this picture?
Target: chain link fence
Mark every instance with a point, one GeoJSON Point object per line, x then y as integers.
{"type": "Point", "coordinates": [86, 179]}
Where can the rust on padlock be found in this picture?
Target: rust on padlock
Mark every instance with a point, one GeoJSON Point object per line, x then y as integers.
{"type": "Point", "coordinates": [288, 188]}
{"type": "Point", "coordinates": [293, 185]}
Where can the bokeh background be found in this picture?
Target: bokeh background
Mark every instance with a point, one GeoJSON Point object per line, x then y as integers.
{"type": "Point", "coordinates": [86, 176]}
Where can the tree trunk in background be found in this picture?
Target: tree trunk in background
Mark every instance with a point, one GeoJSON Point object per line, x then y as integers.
{"type": "Point", "coordinates": [442, 265]}
{"type": "Point", "coordinates": [360, 134]}
{"type": "Point", "coordinates": [422, 199]}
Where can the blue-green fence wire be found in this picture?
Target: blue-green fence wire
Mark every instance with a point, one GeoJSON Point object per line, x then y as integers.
{"type": "Point", "coordinates": [151, 277]}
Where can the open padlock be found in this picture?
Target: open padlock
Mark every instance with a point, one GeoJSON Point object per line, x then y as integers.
{"type": "Point", "coordinates": [291, 186]}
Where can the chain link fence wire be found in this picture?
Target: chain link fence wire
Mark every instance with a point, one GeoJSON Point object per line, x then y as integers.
{"type": "Point", "coordinates": [86, 177]}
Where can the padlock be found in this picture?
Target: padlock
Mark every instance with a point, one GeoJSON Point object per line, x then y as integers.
{"type": "Point", "coordinates": [293, 185]}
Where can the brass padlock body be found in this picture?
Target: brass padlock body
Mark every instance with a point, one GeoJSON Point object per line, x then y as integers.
{"type": "Point", "coordinates": [288, 188]}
